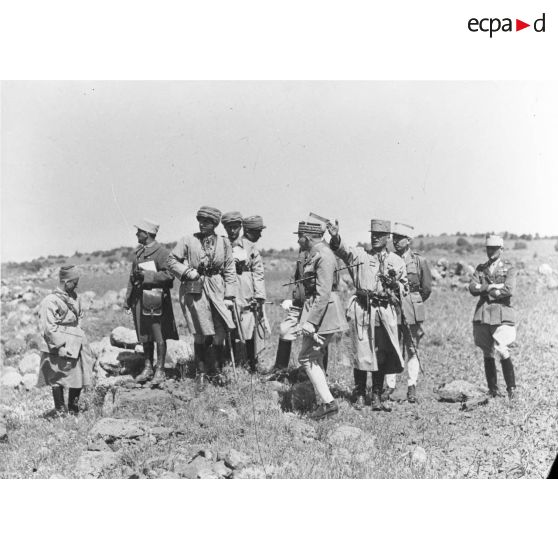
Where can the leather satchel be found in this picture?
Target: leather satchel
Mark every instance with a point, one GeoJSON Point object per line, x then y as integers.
{"type": "Point", "coordinates": [152, 302]}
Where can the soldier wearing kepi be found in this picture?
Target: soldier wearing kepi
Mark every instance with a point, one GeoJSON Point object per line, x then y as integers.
{"type": "Point", "coordinates": [322, 314]}
{"type": "Point", "coordinates": [148, 297]}
{"type": "Point", "coordinates": [204, 263]}
{"type": "Point", "coordinates": [412, 306]}
{"type": "Point", "coordinates": [494, 319]}
{"type": "Point", "coordinates": [380, 278]}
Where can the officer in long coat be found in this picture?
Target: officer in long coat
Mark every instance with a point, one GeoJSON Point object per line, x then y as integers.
{"type": "Point", "coordinates": [204, 264]}
{"type": "Point", "coordinates": [412, 306]}
{"type": "Point", "coordinates": [494, 320]}
{"type": "Point", "coordinates": [322, 314]}
{"type": "Point", "coordinates": [380, 278]}
{"type": "Point", "coordinates": [66, 359]}
{"type": "Point", "coordinates": [149, 299]}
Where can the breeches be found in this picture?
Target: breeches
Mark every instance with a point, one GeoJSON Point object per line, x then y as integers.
{"type": "Point", "coordinates": [494, 340]}
{"type": "Point", "coordinates": [289, 326]}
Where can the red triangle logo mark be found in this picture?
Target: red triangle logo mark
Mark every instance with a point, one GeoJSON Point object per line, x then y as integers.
{"type": "Point", "coordinates": [519, 25]}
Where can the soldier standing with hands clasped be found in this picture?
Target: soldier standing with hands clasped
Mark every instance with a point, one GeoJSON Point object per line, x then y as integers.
{"type": "Point", "coordinates": [380, 278]}
{"type": "Point", "coordinates": [494, 319]}
{"type": "Point", "coordinates": [411, 313]}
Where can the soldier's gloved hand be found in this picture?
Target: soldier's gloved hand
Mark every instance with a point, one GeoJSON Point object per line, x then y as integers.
{"type": "Point", "coordinates": [138, 275]}
{"type": "Point", "coordinates": [287, 304]}
{"type": "Point", "coordinates": [191, 275]}
{"type": "Point", "coordinates": [308, 328]}
{"type": "Point", "coordinates": [260, 301]}
{"type": "Point", "coordinates": [333, 228]}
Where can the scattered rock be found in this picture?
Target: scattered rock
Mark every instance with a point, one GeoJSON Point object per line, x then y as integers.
{"type": "Point", "coordinates": [98, 445]}
{"type": "Point", "coordinates": [344, 433]}
{"type": "Point", "coordinates": [34, 342]}
{"type": "Point", "coordinates": [545, 269]}
{"type": "Point", "coordinates": [7, 370]}
{"type": "Point", "coordinates": [15, 346]}
{"type": "Point", "coordinates": [118, 361]}
{"type": "Point", "coordinates": [92, 464]}
{"type": "Point", "coordinates": [97, 347]}
{"type": "Point", "coordinates": [112, 429]}
{"type": "Point", "coordinates": [124, 337]}
{"type": "Point", "coordinates": [250, 473]}
{"type": "Point", "coordinates": [418, 457]}
{"type": "Point", "coordinates": [110, 298]}
{"type": "Point", "coordinates": [458, 391]}
{"type": "Point", "coordinates": [169, 475]}
{"type": "Point", "coordinates": [222, 470]}
{"type": "Point", "coordinates": [471, 404]}
{"type": "Point", "coordinates": [551, 283]}
{"type": "Point", "coordinates": [178, 352]}
{"type": "Point", "coordinates": [29, 364]}
{"type": "Point", "coordinates": [236, 460]}
{"type": "Point", "coordinates": [342, 454]}
{"type": "Point", "coordinates": [11, 380]}
{"type": "Point", "coordinates": [30, 381]}
{"type": "Point", "coordinates": [3, 433]}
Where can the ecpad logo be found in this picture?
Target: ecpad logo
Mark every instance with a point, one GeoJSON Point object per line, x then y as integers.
{"type": "Point", "coordinates": [492, 25]}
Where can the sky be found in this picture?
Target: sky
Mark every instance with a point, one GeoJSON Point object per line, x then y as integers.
{"type": "Point", "coordinates": [82, 161]}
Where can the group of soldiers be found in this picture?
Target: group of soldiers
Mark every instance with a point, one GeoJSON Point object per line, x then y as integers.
{"type": "Point", "coordinates": [222, 295]}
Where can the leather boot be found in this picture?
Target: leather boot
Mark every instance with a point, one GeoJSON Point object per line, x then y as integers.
{"type": "Point", "coordinates": [283, 354]}
{"type": "Point", "coordinates": [377, 388]}
{"type": "Point", "coordinates": [326, 357]}
{"type": "Point", "coordinates": [412, 394]}
{"type": "Point", "coordinates": [160, 377]}
{"type": "Point", "coordinates": [251, 355]}
{"type": "Point", "coordinates": [73, 400]}
{"type": "Point", "coordinates": [147, 372]}
{"type": "Point", "coordinates": [359, 391]}
{"type": "Point", "coordinates": [491, 377]}
{"type": "Point", "coordinates": [58, 396]}
{"type": "Point", "coordinates": [220, 377]}
{"type": "Point", "coordinates": [509, 376]}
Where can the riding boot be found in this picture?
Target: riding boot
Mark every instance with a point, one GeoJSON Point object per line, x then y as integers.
{"type": "Point", "coordinates": [251, 354]}
{"type": "Point", "coordinates": [210, 360]}
{"type": "Point", "coordinates": [58, 396]}
{"type": "Point", "coordinates": [326, 357]}
{"type": "Point", "coordinates": [377, 388]}
{"type": "Point", "coordinates": [509, 376]}
{"type": "Point", "coordinates": [491, 376]}
{"type": "Point", "coordinates": [359, 392]}
{"type": "Point", "coordinates": [283, 354]}
{"type": "Point", "coordinates": [73, 400]}
{"type": "Point", "coordinates": [160, 377]}
{"type": "Point", "coordinates": [147, 372]}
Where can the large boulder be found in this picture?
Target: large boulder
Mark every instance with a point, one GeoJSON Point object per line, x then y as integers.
{"type": "Point", "coordinates": [118, 361]}
{"type": "Point", "coordinates": [112, 429]}
{"type": "Point", "coordinates": [11, 380]}
{"type": "Point", "coordinates": [29, 364]}
{"type": "Point", "coordinates": [97, 347]}
{"type": "Point", "coordinates": [458, 391]}
{"type": "Point", "coordinates": [123, 337]}
{"type": "Point", "coordinates": [178, 352]}
{"type": "Point", "coordinates": [30, 381]}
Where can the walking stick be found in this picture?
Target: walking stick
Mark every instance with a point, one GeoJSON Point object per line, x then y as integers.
{"type": "Point", "coordinates": [231, 348]}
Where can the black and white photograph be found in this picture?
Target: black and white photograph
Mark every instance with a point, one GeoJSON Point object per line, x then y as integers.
{"type": "Point", "coordinates": [278, 280]}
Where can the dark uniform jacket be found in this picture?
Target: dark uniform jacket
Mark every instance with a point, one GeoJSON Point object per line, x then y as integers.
{"type": "Point", "coordinates": [494, 306]}
{"type": "Point", "coordinates": [160, 279]}
{"type": "Point", "coordinates": [420, 287]}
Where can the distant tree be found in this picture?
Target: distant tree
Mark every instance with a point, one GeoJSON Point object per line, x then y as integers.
{"type": "Point", "coordinates": [520, 245]}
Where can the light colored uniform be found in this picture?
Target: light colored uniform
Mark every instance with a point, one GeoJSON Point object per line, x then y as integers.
{"type": "Point", "coordinates": [373, 328]}
{"type": "Point", "coordinates": [58, 311]}
{"type": "Point", "coordinates": [203, 300]}
{"type": "Point", "coordinates": [494, 318]}
{"type": "Point", "coordinates": [322, 308]}
{"type": "Point", "coordinates": [420, 288]}
{"type": "Point", "coordinates": [290, 324]}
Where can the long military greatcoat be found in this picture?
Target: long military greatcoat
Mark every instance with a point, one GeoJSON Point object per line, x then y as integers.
{"type": "Point", "coordinates": [213, 287]}
{"type": "Point", "coordinates": [322, 306]}
{"type": "Point", "coordinates": [420, 288]}
{"type": "Point", "coordinates": [160, 279]}
{"type": "Point", "coordinates": [363, 320]}
{"type": "Point", "coordinates": [57, 311]}
{"type": "Point", "coordinates": [494, 306]}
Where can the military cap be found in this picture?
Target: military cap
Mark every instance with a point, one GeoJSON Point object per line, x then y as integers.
{"type": "Point", "coordinates": [148, 226]}
{"type": "Point", "coordinates": [68, 272]}
{"type": "Point", "coordinates": [313, 229]}
{"type": "Point", "coordinates": [231, 217]}
{"type": "Point", "coordinates": [380, 225]}
{"type": "Point", "coordinates": [403, 230]}
{"type": "Point", "coordinates": [211, 213]}
{"type": "Point", "coordinates": [494, 240]}
{"type": "Point", "coordinates": [253, 223]}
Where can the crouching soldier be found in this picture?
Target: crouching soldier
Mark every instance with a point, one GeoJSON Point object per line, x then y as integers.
{"type": "Point", "coordinates": [148, 297]}
{"type": "Point", "coordinates": [379, 277]}
{"type": "Point", "coordinates": [204, 264]}
{"type": "Point", "coordinates": [412, 307]}
{"type": "Point", "coordinates": [494, 319]}
{"type": "Point", "coordinates": [322, 314]}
